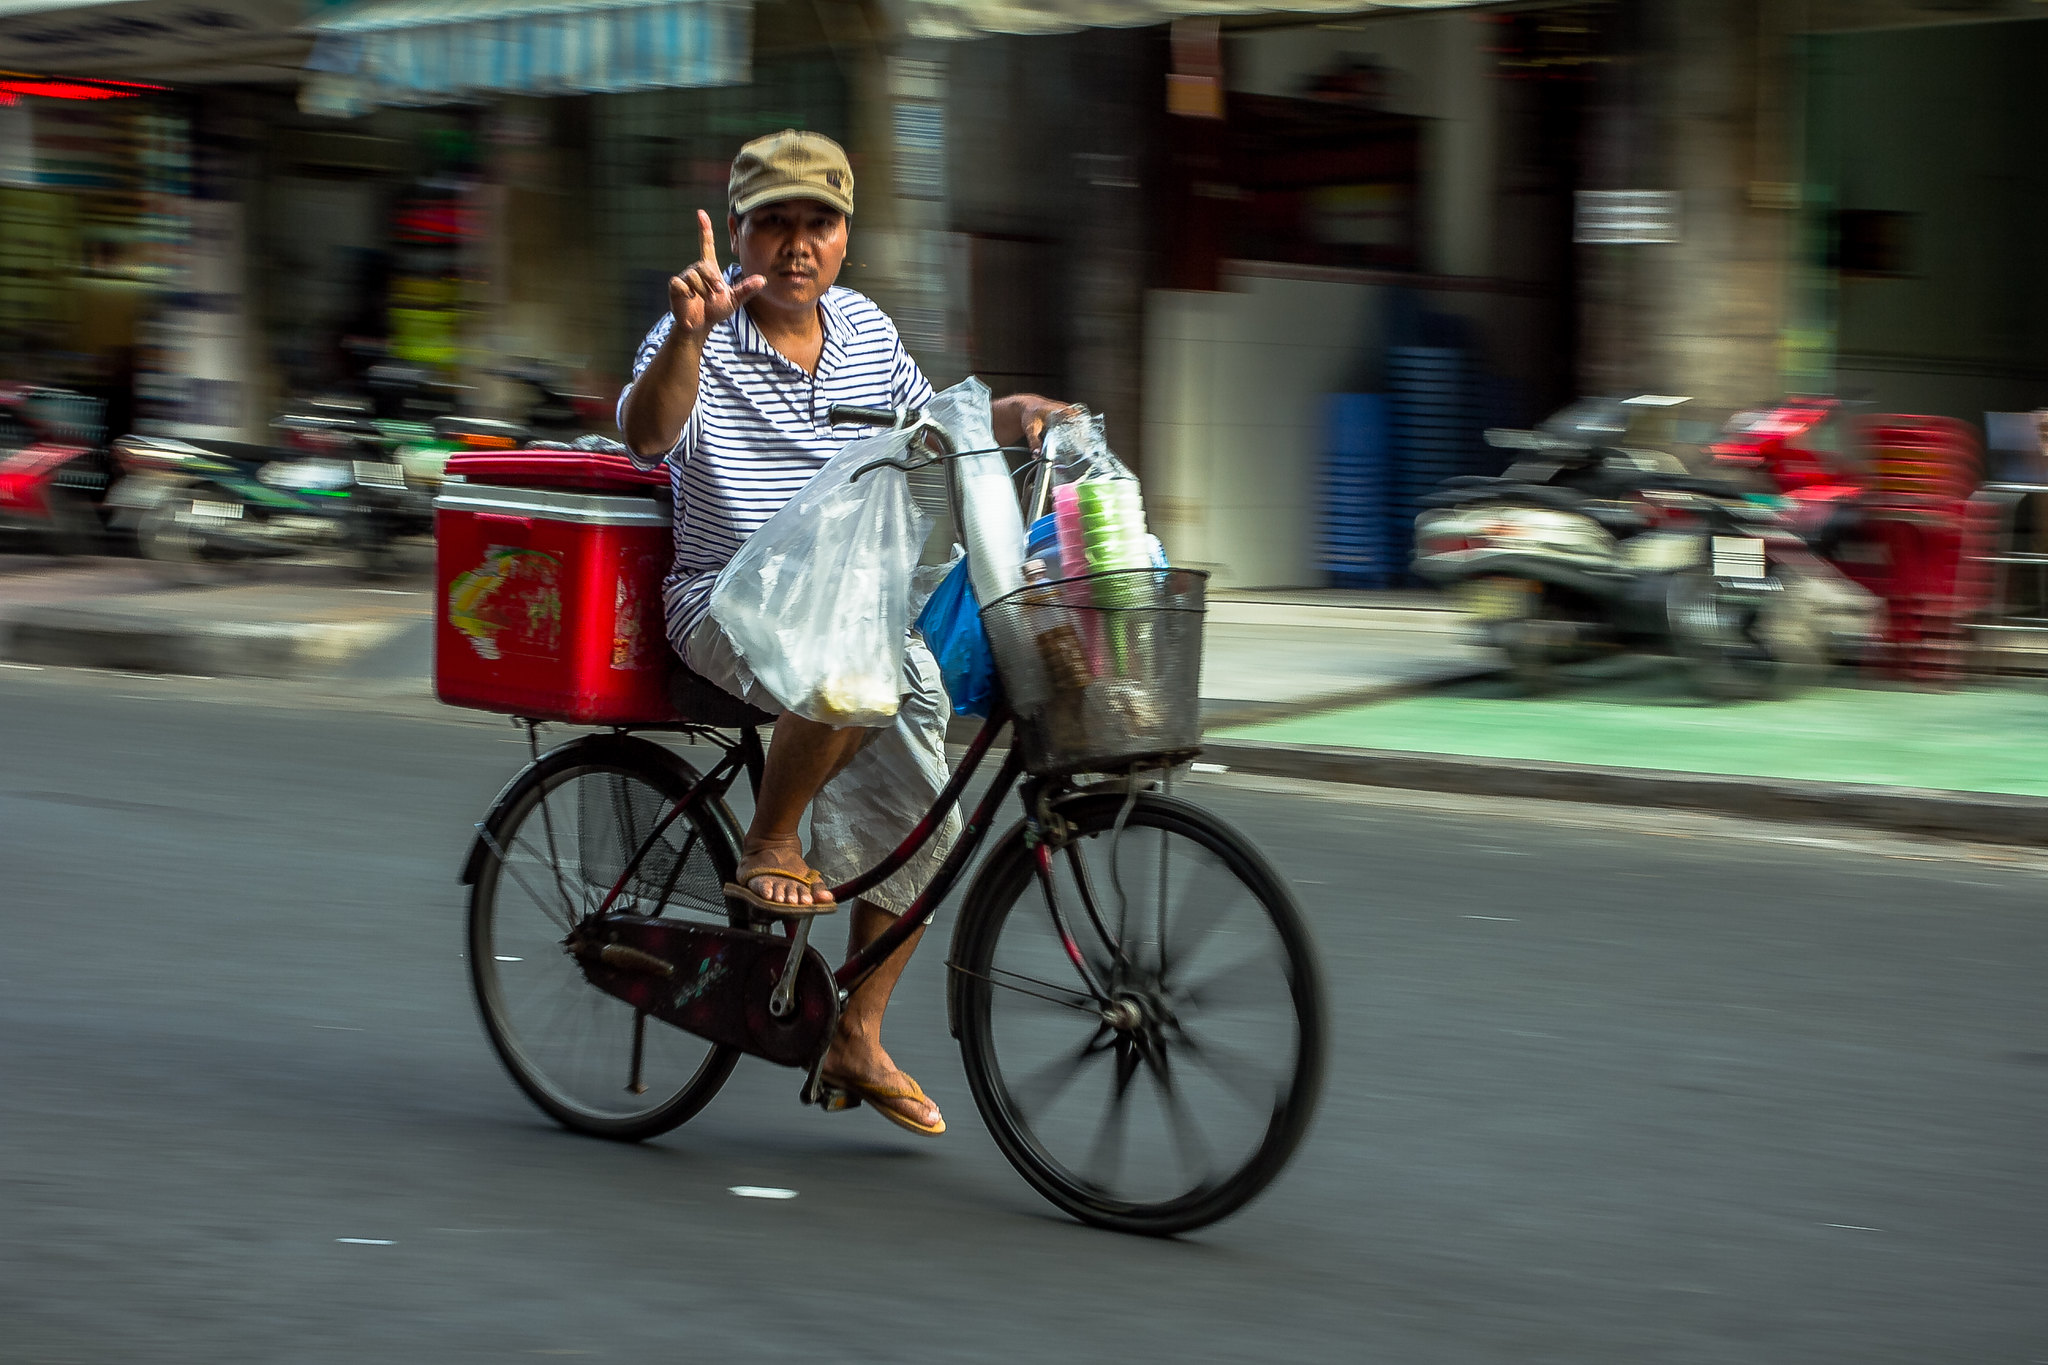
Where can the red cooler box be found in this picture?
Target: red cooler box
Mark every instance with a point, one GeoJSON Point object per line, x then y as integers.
{"type": "Point", "coordinates": [548, 569]}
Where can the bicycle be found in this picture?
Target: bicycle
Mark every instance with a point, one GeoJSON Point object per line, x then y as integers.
{"type": "Point", "coordinates": [596, 905]}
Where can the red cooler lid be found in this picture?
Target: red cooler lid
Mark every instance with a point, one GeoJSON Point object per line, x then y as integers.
{"type": "Point", "coordinates": [595, 471]}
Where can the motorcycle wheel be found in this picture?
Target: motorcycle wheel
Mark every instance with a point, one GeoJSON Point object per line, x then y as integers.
{"type": "Point", "coordinates": [178, 554]}
{"type": "Point", "coordinates": [374, 551]}
{"type": "Point", "coordinates": [1531, 662]}
{"type": "Point", "coordinates": [1742, 644]}
{"type": "Point", "coordinates": [74, 526]}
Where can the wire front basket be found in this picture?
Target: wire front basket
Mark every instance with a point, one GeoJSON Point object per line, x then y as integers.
{"type": "Point", "coordinates": [1103, 671]}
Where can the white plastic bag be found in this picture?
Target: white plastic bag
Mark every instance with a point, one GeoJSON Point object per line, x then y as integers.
{"type": "Point", "coordinates": [817, 602]}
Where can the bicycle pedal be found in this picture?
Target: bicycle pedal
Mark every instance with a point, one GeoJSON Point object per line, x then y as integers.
{"type": "Point", "coordinates": [833, 1100]}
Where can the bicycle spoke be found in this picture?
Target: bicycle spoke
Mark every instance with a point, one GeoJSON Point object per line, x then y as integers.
{"type": "Point", "coordinates": [1165, 883]}
{"type": "Point", "coordinates": [1085, 1003]}
{"type": "Point", "coordinates": [540, 901]}
{"type": "Point", "coordinates": [1235, 985]}
{"type": "Point", "coordinates": [1037, 1090]}
{"type": "Point", "coordinates": [1188, 1143]}
{"type": "Point", "coordinates": [1190, 939]}
{"type": "Point", "coordinates": [572, 999]}
{"type": "Point", "coordinates": [547, 821]}
{"type": "Point", "coordinates": [1108, 1148]}
{"type": "Point", "coordinates": [571, 909]}
{"type": "Point", "coordinates": [675, 871]}
{"type": "Point", "coordinates": [1238, 1073]}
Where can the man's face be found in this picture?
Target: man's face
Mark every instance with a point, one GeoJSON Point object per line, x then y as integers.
{"type": "Point", "coordinates": [797, 245]}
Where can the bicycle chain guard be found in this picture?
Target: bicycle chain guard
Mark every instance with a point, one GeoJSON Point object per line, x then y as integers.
{"type": "Point", "coordinates": [712, 981]}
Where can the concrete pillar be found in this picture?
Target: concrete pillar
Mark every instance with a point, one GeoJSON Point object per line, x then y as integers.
{"type": "Point", "coordinates": [1695, 103]}
{"type": "Point", "coordinates": [1122, 98]}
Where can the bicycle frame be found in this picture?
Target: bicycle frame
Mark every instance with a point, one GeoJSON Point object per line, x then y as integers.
{"type": "Point", "coordinates": [744, 755]}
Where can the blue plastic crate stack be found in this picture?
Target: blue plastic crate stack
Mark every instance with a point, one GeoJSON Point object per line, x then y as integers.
{"type": "Point", "coordinates": [1435, 426]}
{"type": "Point", "coordinates": [1354, 547]}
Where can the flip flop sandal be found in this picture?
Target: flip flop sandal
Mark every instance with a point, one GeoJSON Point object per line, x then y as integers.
{"type": "Point", "coordinates": [874, 1094]}
{"type": "Point", "coordinates": [737, 890]}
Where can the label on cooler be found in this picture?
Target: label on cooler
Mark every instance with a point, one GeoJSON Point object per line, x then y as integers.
{"type": "Point", "coordinates": [510, 605]}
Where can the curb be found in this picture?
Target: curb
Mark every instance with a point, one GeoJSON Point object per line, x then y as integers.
{"type": "Point", "coordinates": [1983, 817]}
{"type": "Point", "coordinates": [69, 638]}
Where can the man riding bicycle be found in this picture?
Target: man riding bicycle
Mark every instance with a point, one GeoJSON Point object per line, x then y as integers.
{"type": "Point", "coordinates": [733, 388]}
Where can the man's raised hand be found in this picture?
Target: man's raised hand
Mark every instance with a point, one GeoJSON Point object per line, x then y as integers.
{"type": "Point", "coordinates": [699, 298]}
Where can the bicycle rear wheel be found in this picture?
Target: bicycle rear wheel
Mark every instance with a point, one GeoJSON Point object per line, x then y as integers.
{"type": "Point", "coordinates": [1178, 1092]}
{"type": "Point", "coordinates": [563, 839]}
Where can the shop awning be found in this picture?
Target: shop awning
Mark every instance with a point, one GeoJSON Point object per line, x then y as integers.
{"type": "Point", "coordinates": [969, 18]}
{"type": "Point", "coordinates": [420, 51]}
{"type": "Point", "coordinates": [164, 40]}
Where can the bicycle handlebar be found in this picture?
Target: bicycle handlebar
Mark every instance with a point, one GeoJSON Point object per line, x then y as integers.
{"type": "Point", "coordinates": [848, 413]}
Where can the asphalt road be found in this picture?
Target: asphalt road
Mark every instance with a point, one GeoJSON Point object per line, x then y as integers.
{"type": "Point", "coordinates": [1604, 1088]}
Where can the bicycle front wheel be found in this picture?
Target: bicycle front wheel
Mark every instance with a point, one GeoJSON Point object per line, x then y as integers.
{"type": "Point", "coordinates": [564, 839]}
{"type": "Point", "coordinates": [1170, 1083]}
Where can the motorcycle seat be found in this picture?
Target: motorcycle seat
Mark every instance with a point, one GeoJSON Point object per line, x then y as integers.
{"type": "Point", "coordinates": [1618, 518]}
{"type": "Point", "coordinates": [306, 421]}
{"type": "Point", "coordinates": [455, 428]}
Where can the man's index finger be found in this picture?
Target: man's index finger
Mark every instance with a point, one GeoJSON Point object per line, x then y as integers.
{"type": "Point", "coordinates": [710, 252]}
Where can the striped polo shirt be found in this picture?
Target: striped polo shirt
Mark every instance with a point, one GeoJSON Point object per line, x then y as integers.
{"type": "Point", "coordinates": [759, 431]}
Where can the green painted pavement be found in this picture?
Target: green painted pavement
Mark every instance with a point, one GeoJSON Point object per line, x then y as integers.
{"type": "Point", "coordinates": [1985, 740]}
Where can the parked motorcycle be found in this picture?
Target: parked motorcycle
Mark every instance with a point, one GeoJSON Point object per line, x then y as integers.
{"type": "Point", "coordinates": [1586, 546]}
{"type": "Point", "coordinates": [54, 467]}
{"type": "Point", "coordinates": [197, 507]}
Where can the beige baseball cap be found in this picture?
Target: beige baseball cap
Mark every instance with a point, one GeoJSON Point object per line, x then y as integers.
{"type": "Point", "coordinates": [790, 165]}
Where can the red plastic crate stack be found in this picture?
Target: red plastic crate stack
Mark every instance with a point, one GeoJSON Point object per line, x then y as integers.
{"type": "Point", "coordinates": [1917, 506]}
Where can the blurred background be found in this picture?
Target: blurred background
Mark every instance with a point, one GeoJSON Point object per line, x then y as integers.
{"type": "Point", "coordinates": [1201, 226]}
{"type": "Point", "coordinates": [1556, 392]}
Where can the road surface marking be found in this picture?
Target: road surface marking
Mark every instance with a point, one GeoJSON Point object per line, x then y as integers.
{"type": "Point", "coordinates": [1851, 1227]}
{"type": "Point", "coordinates": [1497, 919]}
{"type": "Point", "coordinates": [338, 1028]}
{"type": "Point", "coordinates": [762, 1192]}
{"type": "Point", "coordinates": [365, 1241]}
{"type": "Point", "coordinates": [502, 958]}
{"type": "Point", "coordinates": [1209, 767]}
{"type": "Point", "coordinates": [26, 668]}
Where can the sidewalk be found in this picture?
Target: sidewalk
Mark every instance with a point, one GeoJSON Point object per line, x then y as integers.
{"type": "Point", "coordinates": [1368, 688]}
{"type": "Point", "coordinates": [1971, 763]}
{"type": "Point", "coordinates": [277, 622]}
{"type": "Point", "coordinates": [1266, 656]}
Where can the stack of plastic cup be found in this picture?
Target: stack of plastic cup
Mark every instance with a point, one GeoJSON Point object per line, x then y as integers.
{"type": "Point", "coordinates": [1066, 510]}
{"type": "Point", "coordinates": [1113, 539]}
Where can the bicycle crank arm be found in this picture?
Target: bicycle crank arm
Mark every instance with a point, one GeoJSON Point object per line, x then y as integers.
{"type": "Point", "coordinates": [783, 999]}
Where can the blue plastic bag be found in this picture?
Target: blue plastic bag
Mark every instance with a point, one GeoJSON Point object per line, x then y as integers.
{"type": "Point", "coordinates": [951, 626]}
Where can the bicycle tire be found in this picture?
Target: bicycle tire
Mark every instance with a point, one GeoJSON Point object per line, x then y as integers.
{"type": "Point", "coordinates": [637, 775]}
{"type": "Point", "coordinates": [1002, 887]}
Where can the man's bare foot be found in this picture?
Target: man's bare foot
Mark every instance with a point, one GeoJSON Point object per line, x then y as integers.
{"type": "Point", "coordinates": [775, 871]}
{"type": "Point", "coordinates": [868, 1071]}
